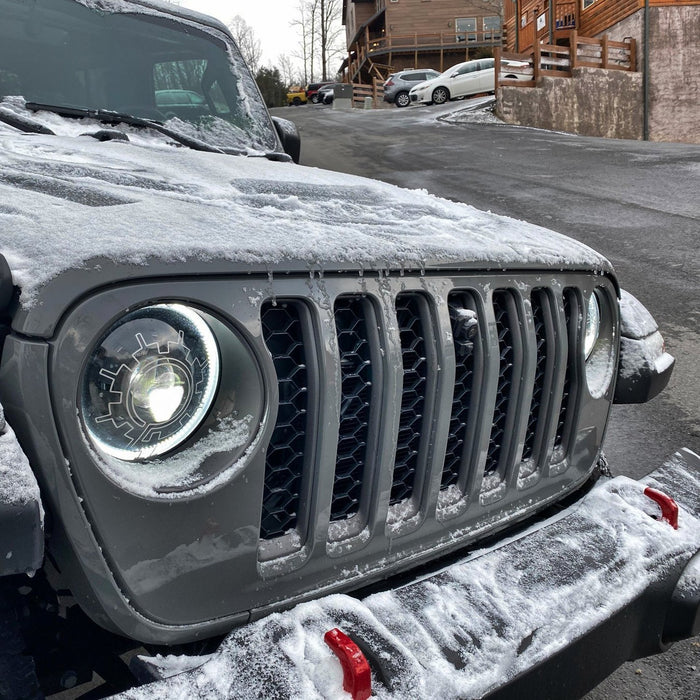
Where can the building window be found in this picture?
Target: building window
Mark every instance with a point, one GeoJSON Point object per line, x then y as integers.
{"type": "Point", "coordinates": [492, 28]}
{"type": "Point", "coordinates": [465, 28]}
{"type": "Point", "coordinates": [587, 3]}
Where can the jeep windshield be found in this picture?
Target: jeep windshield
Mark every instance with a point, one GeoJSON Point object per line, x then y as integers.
{"type": "Point", "coordinates": [83, 58]}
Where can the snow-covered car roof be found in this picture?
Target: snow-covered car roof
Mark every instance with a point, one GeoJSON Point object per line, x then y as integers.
{"type": "Point", "coordinates": [154, 7]}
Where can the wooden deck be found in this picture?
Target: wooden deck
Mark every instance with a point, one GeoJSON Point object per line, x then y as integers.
{"type": "Point", "coordinates": [374, 56]}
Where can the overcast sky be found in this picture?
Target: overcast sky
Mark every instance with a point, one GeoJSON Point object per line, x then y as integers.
{"type": "Point", "coordinates": [269, 19]}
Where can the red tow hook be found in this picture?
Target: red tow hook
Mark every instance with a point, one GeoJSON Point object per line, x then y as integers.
{"type": "Point", "coordinates": [669, 508]}
{"type": "Point", "coordinates": [357, 677]}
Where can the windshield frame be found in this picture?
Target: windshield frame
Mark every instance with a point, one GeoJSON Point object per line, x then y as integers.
{"type": "Point", "coordinates": [253, 129]}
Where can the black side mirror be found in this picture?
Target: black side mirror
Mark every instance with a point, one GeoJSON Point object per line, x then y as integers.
{"type": "Point", "coordinates": [289, 136]}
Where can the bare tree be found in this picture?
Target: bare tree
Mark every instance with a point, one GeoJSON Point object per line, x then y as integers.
{"type": "Point", "coordinates": [289, 71]}
{"type": "Point", "coordinates": [330, 33]}
{"type": "Point", "coordinates": [495, 6]}
{"type": "Point", "coordinates": [319, 25]}
{"type": "Point", "coordinates": [248, 43]}
{"type": "Point", "coordinates": [305, 23]}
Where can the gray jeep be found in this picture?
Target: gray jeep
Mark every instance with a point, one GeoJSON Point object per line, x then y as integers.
{"type": "Point", "coordinates": [228, 417]}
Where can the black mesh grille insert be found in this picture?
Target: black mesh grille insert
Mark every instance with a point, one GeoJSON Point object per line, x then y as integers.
{"type": "Point", "coordinates": [284, 466]}
{"type": "Point", "coordinates": [415, 381]}
{"type": "Point", "coordinates": [355, 403]}
{"type": "Point", "coordinates": [543, 351]}
{"type": "Point", "coordinates": [502, 302]}
{"type": "Point", "coordinates": [571, 322]}
{"type": "Point", "coordinates": [465, 334]}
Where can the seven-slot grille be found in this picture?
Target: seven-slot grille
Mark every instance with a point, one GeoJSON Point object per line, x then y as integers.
{"type": "Point", "coordinates": [514, 391]}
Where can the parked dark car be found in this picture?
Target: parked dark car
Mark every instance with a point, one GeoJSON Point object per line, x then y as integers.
{"type": "Point", "coordinates": [326, 93]}
{"type": "Point", "coordinates": [312, 91]}
{"type": "Point", "coordinates": [398, 85]}
{"type": "Point", "coordinates": [373, 433]}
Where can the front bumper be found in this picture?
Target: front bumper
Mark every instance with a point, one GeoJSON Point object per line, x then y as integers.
{"type": "Point", "coordinates": [547, 613]}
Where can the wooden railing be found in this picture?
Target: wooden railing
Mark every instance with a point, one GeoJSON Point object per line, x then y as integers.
{"type": "Point", "coordinates": [360, 92]}
{"type": "Point", "coordinates": [437, 39]}
{"type": "Point", "coordinates": [526, 35]}
{"type": "Point", "coordinates": [559, 61]}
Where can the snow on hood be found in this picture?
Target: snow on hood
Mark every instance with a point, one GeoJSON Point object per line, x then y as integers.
{"type": "Point", "coordinates": [69, 199]}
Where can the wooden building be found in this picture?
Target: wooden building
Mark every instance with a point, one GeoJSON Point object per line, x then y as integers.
{"type": "Point", "coordinates": [667, 36]}
{"type": "Point", "coordinates": [550, 21]}
{"type": "Point", "coordinates": [384, 36]}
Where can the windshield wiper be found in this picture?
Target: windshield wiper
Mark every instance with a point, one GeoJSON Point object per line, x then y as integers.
{"type": "Point", "coordinates": [28, 126]}
{"type": "Point", "coordinates": [110, 117]}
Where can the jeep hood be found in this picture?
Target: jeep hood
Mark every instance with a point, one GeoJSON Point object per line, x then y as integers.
{"type": "Point", "coordinates": [109, 209]}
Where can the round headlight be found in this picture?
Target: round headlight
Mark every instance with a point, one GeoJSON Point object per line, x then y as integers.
{"type": "Point", "coordinates": [150, 382]}
{"type": "Point", "coordinates": [592, 330]}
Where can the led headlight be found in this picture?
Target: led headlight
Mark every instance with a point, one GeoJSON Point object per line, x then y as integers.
{"type": "Point", "coordinates": [150, 382]}
{"type": "Point", "coordinates": [592, 330]}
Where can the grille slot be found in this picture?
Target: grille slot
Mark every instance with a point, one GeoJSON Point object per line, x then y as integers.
{"type": "Point", "coordinates": [411, 317]}
{"type": "Point", "coordinates": [506, 319]}
{"type": "Point", "coordinates": [544, 352]}
{"type": "Point", "coordinates": [356, 366]}
{"type": "Point", "coordinates": [467, 340]}
{"type": "Point", "coordinates": [283, 332]}
{"type": "Point", "coordinates": [571, 315]}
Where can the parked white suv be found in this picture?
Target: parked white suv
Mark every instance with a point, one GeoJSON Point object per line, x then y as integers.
{"type": "Point", "coordinates": [468, 78]}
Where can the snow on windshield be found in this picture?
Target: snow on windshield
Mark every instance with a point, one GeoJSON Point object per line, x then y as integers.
{"type": "Point", "coordinates": [134, 59]}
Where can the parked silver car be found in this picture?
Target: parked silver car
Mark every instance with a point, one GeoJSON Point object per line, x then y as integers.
{"type": "Point", "coordinates": [397, 87]}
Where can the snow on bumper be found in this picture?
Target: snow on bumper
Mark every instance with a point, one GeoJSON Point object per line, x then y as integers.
{"type": "Point", "coordinates": [488, 622]}
{"type": "Point", "coordinates": [21, 512]}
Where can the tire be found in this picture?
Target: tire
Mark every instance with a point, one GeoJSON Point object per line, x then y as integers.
{"type": "Point", "coordinates": [402, 99]}
{"type": "Point", "coordinates": [441, 95]}
{"type": "Point", "coordinates": [314, 98]}
{"type": "Point", "coordinates": [296, 101]}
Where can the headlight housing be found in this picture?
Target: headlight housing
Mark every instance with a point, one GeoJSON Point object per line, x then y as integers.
{"type": "Point", "coordinates": [599, 342]}
{"type": "Point", "coordinates": [150, 382]}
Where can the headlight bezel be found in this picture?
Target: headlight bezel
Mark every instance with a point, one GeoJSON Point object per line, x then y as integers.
{"type": "Point", "coordinates": [222, 445]}
{"type": "Point", "coordinates": [113, 405]}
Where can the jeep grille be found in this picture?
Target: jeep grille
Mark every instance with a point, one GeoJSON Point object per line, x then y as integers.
{"type": "Point", "coordinates": [507, 422]}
